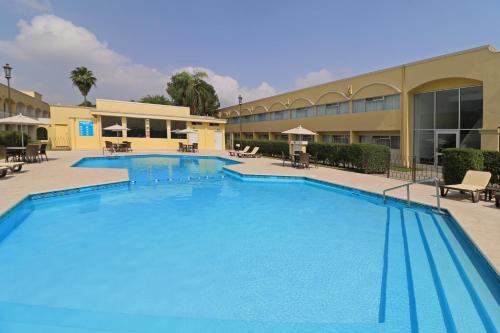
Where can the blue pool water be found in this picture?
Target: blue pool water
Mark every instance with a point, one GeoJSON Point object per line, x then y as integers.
{"type": "Point", "coordinates": [189, 247]}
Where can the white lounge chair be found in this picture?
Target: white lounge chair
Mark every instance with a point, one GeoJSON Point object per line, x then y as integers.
{"type": "Point", "coordinates": [235, 152]}
{"type": "Point", "coordinates": [253, 153]}
{"type": "Point", "coordinates": [474, 182]}
{"type": "Point", "coordinates": [3, 171]}
{"type": "Point", "coordinates": [12, 166]}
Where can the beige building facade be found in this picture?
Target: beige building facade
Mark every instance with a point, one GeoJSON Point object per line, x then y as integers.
{"type": "Point", "coordinates": [28, 103]}
{"type": "Point", "coordinates": [151, 126]}
{"type": "Point", "coordinates": [417, 109]}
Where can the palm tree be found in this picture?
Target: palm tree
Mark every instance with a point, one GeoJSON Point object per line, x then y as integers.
{"type": "Point", "coordinates": [155, 99]}
{"type": "Point", "coordinates": [84, 79]}
{"type": "Point", "coordinates": [192, 90]}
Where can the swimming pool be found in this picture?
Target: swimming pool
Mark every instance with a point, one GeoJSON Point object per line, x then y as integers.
{"type": "Point", "coordinates": [189, 247]}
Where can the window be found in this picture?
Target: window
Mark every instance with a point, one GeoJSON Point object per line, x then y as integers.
{"type": "Point", "coordinates": [177, 125]}
{"type": "Point", "coordinates": [424, 111]}
{"type": "Point", "coordinates": [447, 109]}
{"type": "Point", "coordinates": [263, 136]}
{"type": "Point", "coordinates": [107, 121]}
{"type": "Point", "coordinates": [379, 103]}
{"type": "Point", "coordinates": [157, 128]}
{"type": "Point", "coordinates": [471, 107]}
{"type": "Point", "coordinates": [213, 124]}
{"type": "Point", "coordinates": [280, 115]}
{"type": "Point", "coordinates": [395, 142]}
{"type": "Point", "coordinates": [41, 133]}
{"type": "Point", "coordinates": [196, 123]}
{"type": "Point", "coordinates": [247, 119]}
{"type": "Point", "coordinates": [261, 117]}
{"type": "Point", "coordinates": [137, 127]}
{"type": "Point", "coordinates": [329, 138]}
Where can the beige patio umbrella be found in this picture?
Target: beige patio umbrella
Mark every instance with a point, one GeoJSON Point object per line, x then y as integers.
{"type": "Point", "coordinates": [116, 128]}
{"type": "Point", "coordinates": [299, 131]}
{"type": "Point", "coordinates": [20, 120]}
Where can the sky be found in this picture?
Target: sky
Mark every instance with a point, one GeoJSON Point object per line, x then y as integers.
{"type": "Point", "coordinates": [253, 48]}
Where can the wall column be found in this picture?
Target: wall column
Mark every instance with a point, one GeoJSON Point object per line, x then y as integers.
{"type": "Point", "coordinates": [169, 127]}
{"type": "Point", "coordinates": [124, 124]}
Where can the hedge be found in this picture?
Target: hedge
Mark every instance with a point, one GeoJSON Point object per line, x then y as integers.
{"type": "Point", "coordinates": [12, 138]}
{"type": "Point", "coordinates": [456, 162]}
{"type": "Point", "coordinates": [492, 164]}
{"type": "Point", "coordinates": [368, 158]}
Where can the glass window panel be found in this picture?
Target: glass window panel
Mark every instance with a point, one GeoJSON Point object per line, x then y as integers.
{"type": "Point", "coordinates": [365, 139]}
{"type": "Point", "coordinates": [358, 106]}
{"type": "Point", "coordinates": [376, 104]}
{"type": "Point", "coordinates": [332, 108]}
{"type": "Point", "coordinates": [137, 127]}
{"type": "Point", "coordinates": [382, 140]}
{"type": "Point", "coordinates": [424, 111]}
{"type": "Point", "coordinates": [340, 139]}
{"type": "Point", "coordinates": [392, 102]}
{"type": "Point", "coordinates": [424, 146]}
{"type": "Point", "coordinates": [471, 107]}
{"type": "Point", "coordinates": [470, 139]}
{"type": "Point", "coordinates": [110, 121]}
{"type": "Point", "coordinates": [344, 107]}
{"type": "Point", "coordinates": [157, 128]}
{"type": "Point", "coordinates": [395, 142]}
{"type": "Point", "coordinates": [177, 125]}
{"type": "Point", "coordinates": [447, 109]}
{"type": "Point", "coordinates": [321, 110]}
{"type": "Point", "coordinates": [326, 138]}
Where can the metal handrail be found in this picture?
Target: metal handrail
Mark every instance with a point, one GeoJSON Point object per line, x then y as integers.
{"type": "Point", "coordinates": [434, 179]}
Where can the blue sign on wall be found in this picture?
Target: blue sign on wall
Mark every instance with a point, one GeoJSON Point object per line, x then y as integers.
{"type": "Point", "coordinates": [86, 128]}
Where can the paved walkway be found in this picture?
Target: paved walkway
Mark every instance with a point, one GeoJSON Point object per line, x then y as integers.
{"type": "Point", "coordinates": [481, 221]}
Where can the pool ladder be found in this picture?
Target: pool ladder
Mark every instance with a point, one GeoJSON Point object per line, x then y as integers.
{"type": "Point", "coordinates": [435, 180]}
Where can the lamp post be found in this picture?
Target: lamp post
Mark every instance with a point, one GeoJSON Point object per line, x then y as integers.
{"type": "Point", "coordinates": [240, 100]}
{"type": "Point", "coordinates": [8, 75]}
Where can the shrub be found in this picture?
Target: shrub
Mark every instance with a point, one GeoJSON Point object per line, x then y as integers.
{"type": "Point", "coordinates": [368, 158]}
{"type": "Point", "coordinates": [12, 138]}
{"type": "Point", "coordinates": [456, 162]}
{"type": "Point", "coordinates": [266, 147]}
{"type": "Point", "coordinates": [492, 164]}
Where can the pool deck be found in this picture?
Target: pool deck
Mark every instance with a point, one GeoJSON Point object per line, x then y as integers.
{"type": "Point", "coordinates": [481, 221]}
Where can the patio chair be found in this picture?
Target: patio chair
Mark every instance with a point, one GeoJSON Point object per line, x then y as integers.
{"type": "Point", "coordinates": [253, 153]}
{"type": "Point", "coordinates": [32, 154]}
{"type": "Point", "coordinates": [128, 146]}
{"type": "Point", "coordinates": [3, 171]}
{"type": "Point", "coordinates": [286, 158]}
{"type": "Point", "coordinates": [474, 182]}
{"type": "Point", "coordinates": [109, 147]}
{"type": "Point", "coordinates": [304, 160]}
{"type": "Point", "coordinates": [194, 148]}
{"type": "Point", "coordinates": [181, 147]}
{"type": "Point", "coordinates": [43, 152]}
{"type": "Point", "coordinates": [235, 152]}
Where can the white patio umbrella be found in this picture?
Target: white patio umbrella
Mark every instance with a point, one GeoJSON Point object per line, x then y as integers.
{"type": "Point", "coordinates": [20, 120]}
{"type": "Point", "coordinates": [116, 128]}
{"type": "Point", "coordinates": [184, 131]}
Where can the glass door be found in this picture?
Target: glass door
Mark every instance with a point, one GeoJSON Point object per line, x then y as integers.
{"type": "Point", "coordinates": [444, 139]}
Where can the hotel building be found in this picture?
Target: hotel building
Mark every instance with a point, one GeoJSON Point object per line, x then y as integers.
{"type": "Point", "coordinates": [417, 109]}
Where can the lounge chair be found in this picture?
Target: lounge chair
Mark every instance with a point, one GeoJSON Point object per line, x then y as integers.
{"type": "Point", "coordinates": [474, 182]}
{"type": "Point", "coordinates": [253, 153]}
{"type": "Point", "coordinates": [235, 152]}
{"type": "Point", "coordinates": [12, 166]}
{"type": "Point", "coordinates": [3, 171]}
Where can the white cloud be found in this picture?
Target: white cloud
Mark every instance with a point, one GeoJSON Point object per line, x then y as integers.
{"type": "Point", "coordinates": [49, 47]}
{"type": "Point", "coordinates": [314, 78]}
{"type": "Point", "coordinates": [43, 6]}
{"type": "Point", "coordinates": [228, 88]}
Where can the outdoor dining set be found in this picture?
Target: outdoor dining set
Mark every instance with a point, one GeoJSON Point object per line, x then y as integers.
{"type": "Point", "coordinates": [298, 159]}
{"type": "Point", "coordinates": [30, 153]}
{"type": "Point", "coordinates": [185, 148]}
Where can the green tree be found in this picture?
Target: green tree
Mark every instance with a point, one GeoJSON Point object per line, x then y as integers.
{"type": "Point", "coordinates": [84, 80]}
{"type": "Point", "coordinates": [155, 99]}
{"type": "Point", "coordinates": [192, 90]}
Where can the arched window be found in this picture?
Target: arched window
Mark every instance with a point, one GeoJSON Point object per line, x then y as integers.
{"type": "Point", "coordinates": [41, 133]}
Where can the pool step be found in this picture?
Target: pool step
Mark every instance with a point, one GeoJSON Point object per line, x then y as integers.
{"type": "Point", "coordinates": [442, 301]}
